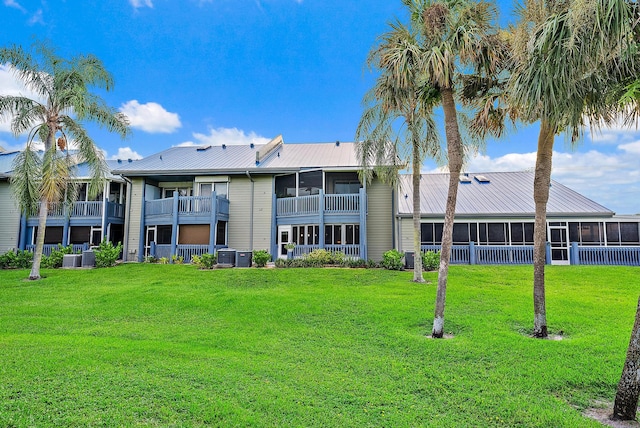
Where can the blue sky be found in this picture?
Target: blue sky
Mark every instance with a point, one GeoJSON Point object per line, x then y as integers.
{"type": "Point", "coordinates": [233, 71]}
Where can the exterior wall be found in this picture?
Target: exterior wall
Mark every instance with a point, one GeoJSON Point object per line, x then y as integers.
{"type": "Point", "coordinates": [379, 219]}
{"type": "Point", "coordinates": [240, 216]}
{"type": "Point", "coordinates": [133, 217]}
{"type": "Point", "coordinates": [9, 219]}
{"type": "Point", "coordinates": [405, 234]}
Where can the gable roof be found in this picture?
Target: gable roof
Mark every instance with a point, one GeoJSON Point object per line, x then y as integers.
{"type": "Point", "coordinates": [192, 160]}
{"type": "Point", "coordinates": [506, 194]}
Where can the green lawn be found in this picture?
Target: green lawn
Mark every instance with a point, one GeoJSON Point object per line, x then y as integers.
{"type": "Point", "coordinates": [158, 345]}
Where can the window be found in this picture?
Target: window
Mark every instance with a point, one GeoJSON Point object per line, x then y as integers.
{"type": "Point", "coordinates": [168, 192]}
{"type": "Point", "coordinates": [333, 234]}
{"type": "Point", "coordinates": [613, 233]}
{"type": "Point", "coordinates": [221, 233]}
{"type": "Point", "coordinates": [205, 189]}
{"type": "Point", "coordinates": [347, 187]}
{"type": "Point", "coordinates": [163, 235]}
{"type": "Point", "coordinates": [629, 233]}
{"type": "Point", "coordinates": [308, 234]}
{"type": "Point", "coordinates": [497, 233]}
{"type": "Point", "coordinates": [588, 233]}
{"type": "Point", "coordinates": [521, 233]}
{"type": "Point", "coordinates": [431, 233]}
{"type": "Point", "coordinates": [286, 186]}
{"type": "Point", "coordinates": [193, 234]}
{"type": "Point", "coordinates": [460, 233]}
{"type": "Point", "coordinates": [221, 188]}
{"type": "Point", "coordinates": [310, 183]}
{"type": "Point", "coordinates": [79, 234]}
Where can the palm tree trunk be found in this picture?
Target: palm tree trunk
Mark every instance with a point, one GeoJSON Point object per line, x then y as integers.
{"type": "Point", "coordinates": [454, 150]}
{"type": "Point", "coordinates": [417, 241]}
{"type": "Point", "coordinates": [626, 403]}
{"type": "Point", "coordinates": [37, 256]}
{"type": "Point", "coordinates": [541, 184]}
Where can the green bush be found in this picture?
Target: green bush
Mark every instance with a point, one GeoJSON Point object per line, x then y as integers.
{"type": "Point", "coordinates": [431, 260]}
{"type": "Point", "coordinates": [150, 259]}
{"type": "Point", "coordinates": [107, 254]}
{"type": "Point", "coordinates": [355, 263]}
{"type": "Point", "coordinates": [261, 257]}
{"type": "Point", "coordinates": [176, 259]}
{"type": "Point", "coordinates": [392, 260]}
{"type": "Point", "coordinates": [54, 260]}
{"type": "Point", "coordinates": [20, 259]}
{"type": "Point", "coordinates": [205, 261]}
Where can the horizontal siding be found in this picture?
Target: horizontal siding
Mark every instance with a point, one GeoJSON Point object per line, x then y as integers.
{"type": "Point", "coordinates": [263, 206]}
{"type": "Point", "coordinates": [9, 219]}
{"type": "Point", "coordinates": [379, 219]}
{"type": "Point", "coordinates": [133, 217]}
{"type": "Point", "coordinates": [239, 213]}
{"type": "Point", "coordinates": [405, 232]}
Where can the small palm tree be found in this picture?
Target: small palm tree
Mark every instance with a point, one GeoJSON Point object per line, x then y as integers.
{"type": "Point", "coordinates": [399, 95]}
{"type": "Point", "coordinates": [63, 102]}
{"type": "Point", "coordinates": [568, 58]}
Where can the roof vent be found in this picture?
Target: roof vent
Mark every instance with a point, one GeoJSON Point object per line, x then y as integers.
{"type": "Point", "coordinates": [337, 143]}
{"type": "Point", "coordinates": [224, 146]}
{"type": "Point", "coordinates": [129, 160]}
{"type": "Point", "coordinates": [465, 179]}
{"type": "Point", "coordinates": [119, 160]}
{"type": "Point", "coordinates": [278, 154]}
{"type": "Point", "coordinates": [202, 149]}
{"type": "Point", "coordinates": [482, 179]}
{"type": "Point", "coordinates": [252, 145]}
{"type": "Point", "coordinates": [160, 158]}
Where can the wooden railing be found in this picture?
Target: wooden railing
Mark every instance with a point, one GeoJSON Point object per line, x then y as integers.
{"type": "Point", "coordinates": [115, 210]}
{"type": "Point", "coordinates": [350, 251]}
{"type": "Point", "coordinates": [309, 205]}
{"type": "Point", "coordinates": [459, 253]}
{"type": "Point", "coordinates": [187, 205]}
{"type": "Point", "coordinates": [624, 256]}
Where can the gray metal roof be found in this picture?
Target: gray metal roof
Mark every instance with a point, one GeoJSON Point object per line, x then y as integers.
{"type": "Point", "coordinates": [507, 194]}
{"type": "Point", "coordinates": [6, 161]}
{"type": "Point", "coordinates": [240, 158]}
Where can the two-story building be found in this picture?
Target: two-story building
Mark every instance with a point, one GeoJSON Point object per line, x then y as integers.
{"type": "Point", "coordinates": [83, 224]}
{"type": "Point", "coordinates": [193, 200]}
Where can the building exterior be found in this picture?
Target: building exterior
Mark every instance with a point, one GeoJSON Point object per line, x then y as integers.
{"type": "Point", "coordinates": [290, 199]}
{"type": "Point", "coordinates": [82, 225]}
{"type": "Point", "coordinates": [495, 215]}
{"type": "Point", "coordinates": [193, 200]}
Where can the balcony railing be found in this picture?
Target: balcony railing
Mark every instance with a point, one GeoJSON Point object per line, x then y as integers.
{"type": "Point", "coordinates": [350, 251]}
{"type": "Point", "coordinates": [187, 205]}
{"type": "Point", "coordinates": [310, 205]}
{"type": "Point", "coordinates": [86, 209]}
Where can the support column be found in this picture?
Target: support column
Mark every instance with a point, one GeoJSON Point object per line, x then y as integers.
{"type": "Point", "coordinates": [65, 226]}
{"type": "Point", "coordinates": [548, 252]}
{"type": "Point", "coordinates": [213, 228]}
{"type": "Point", "coordinates": [472, 253]}
{"type": "Point", "coordinates": [574, 257]}
{"type": "Point", "coordinates": [363, 224]}
{"type": "Point", "coordinates": [174, 225]}
{"type": "Point", "coordinates": [321, 219]}
{"type": "Point", "coordinates": [22, 242]}
{"type": "Point", "coordinates": [274, 228]}
{"type": "Point", "coordinates": [143, 225]}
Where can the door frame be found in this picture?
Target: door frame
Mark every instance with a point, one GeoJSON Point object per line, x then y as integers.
{"type": "Point", "coordinates": [562, 245]}
{"type": "Point", "coordinates": [284, 240]}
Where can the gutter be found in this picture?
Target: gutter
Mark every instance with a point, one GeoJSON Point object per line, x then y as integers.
{"type": "Point", "coordinates": [125, 238]}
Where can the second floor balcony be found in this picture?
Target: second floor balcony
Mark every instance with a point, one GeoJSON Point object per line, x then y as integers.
{"type": "Point", "coordinates": [87, 210]}
{"type": "Point", "coordinates": [189, 209]}
{"type": "Point", "coordinates": [326, 205]}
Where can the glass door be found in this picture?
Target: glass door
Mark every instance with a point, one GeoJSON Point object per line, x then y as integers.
{"type": "Point", "coordinates": [151, 237]}
{"type": "Point", "coordinates": [558, 233]}
{"type": "Point", "coordinates": [284, 238]}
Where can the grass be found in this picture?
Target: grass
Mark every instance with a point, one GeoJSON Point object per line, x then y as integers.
{"type": "Point", "coordinates": [163, 345]}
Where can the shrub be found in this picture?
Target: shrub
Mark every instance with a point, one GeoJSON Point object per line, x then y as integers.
{"type": "Point", "coordinates": [392, 260]}
{"type": "Point", "coordinates": [107, 254]}
{"type": "Point", "coordinates": [54, 260]}
{"type": "Point", "coordinates": [372, 264]}
{"type": "Point", "coordinates": [21, 259]}
{"type": "Point", "coordinates": [177, 259]}
{"type": "Point", "coordinates": [205, 261]}
{"type": "Point", "coordinates": [355, 263]}
{"type": "Point", "coordinates": [261, 257]}
{"type": "Point", "coordinates": [150, 259]}
{"type": "Point", "coordinates": [164, 260]}
{"type": "Point", "coordinates": [430, 260]}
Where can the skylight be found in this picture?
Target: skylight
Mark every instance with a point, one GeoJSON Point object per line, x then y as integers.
{"type": "Point", "coordinates": [465, 179]}
{"type": "Point", "coordinates": [482, 179]}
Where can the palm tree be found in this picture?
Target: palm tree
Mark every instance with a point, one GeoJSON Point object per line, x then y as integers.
{"type": "Point", "coordinates": [458, 36]}
{"type": "Point", "coordinates": [399, 95]}
{"type": "Point", "coordinates": [567, 57]}
{"type": "Point", "coordinates": [63, 102]}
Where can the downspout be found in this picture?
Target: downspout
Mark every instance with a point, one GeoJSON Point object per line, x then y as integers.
{"type": "Point", "coordinates": [251, 213]}
{"type": "Point", "coordinates": [125, 238]}
{"type": "Point", "coordinates": [105, 201]}
{"type": "Point", "coordinates": [393, 219]}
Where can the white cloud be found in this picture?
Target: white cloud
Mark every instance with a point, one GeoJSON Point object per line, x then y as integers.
{"type": "Point", "coordinates": [151, 117]}
{"type": "Point", "coordinates": [126, 153]}
{"type": "Point", "coordinates": [617, 132]}
{"type": "Point", "coordinates": [141, 3]}
{"type": "Point", "coordinates": [36, 18]}
{"type": "Point", "coordinates": [9, 85]}
{"type": "Point", "coordinates": [15, 5]}
{"type": "Point", "coordinates": [227, 136]}
{"type": "Point", "coordinates": [611, 179]}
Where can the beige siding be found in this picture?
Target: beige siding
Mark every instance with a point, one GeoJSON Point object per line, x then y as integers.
{"type": "Point", "coordinates": [9, 219]}
{"type": "Point", "coordinates": [405, 233]}
{"type": "Point", "coordinates": [379, 219]}
{"type": "Point", "coordinates": [133, 217]}
{"type": "Point", "coordinates": [240, 212]}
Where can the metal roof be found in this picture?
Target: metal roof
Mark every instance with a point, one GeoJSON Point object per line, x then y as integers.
{"type": "Point", "coordinates": [6, 161]}
{"type": "Point", "coordinates": [82, 169]}
{"type": "Point", "coordinates": [505, 194]}
{"type": "Point", "coordinates": [239, 158]}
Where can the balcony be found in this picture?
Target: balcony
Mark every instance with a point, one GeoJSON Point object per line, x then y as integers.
{"type": "Point", "coordinates": [338, 207]}
{"type": "Point", "coordinates": [82, 213]}
{"type": "Point", "coordinates": [188, 209]}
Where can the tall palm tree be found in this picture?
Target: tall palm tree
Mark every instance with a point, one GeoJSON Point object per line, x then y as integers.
{"type": "Point", "coordinates": [567, 57]}
{"type": "Point", "coordinates": [399, 95]}
{"type": "Point", "coordinates": [62, 104]}
{"type": "Point", "coordinates": [458, 36]}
